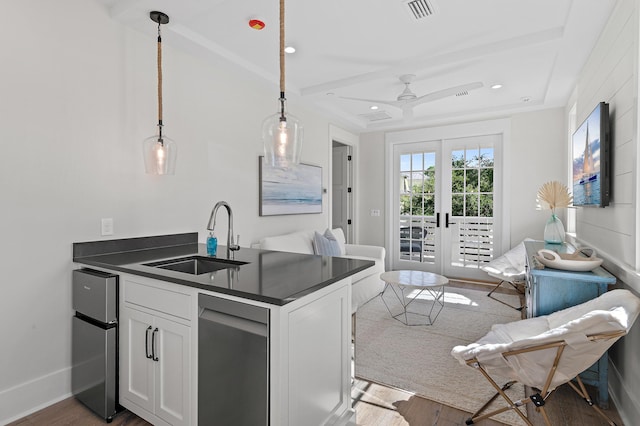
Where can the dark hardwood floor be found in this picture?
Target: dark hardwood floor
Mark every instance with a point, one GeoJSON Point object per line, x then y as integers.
{"type": "Point", "coordinates": [375, 405]}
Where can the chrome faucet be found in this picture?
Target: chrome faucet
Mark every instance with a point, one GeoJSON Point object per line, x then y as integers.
{"type": "Point", "coordinates": [231, 245]}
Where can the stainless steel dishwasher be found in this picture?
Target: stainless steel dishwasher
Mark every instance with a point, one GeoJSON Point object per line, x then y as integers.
{"type": "Point", "coordinates": [233, 363]}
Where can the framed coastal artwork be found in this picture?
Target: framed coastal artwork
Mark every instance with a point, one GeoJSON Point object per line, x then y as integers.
{"type": "Point", "coordinates": [293, 190]}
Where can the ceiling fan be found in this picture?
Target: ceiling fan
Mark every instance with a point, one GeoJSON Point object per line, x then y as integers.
{"type": "Point", "coordinates": [407, 99]}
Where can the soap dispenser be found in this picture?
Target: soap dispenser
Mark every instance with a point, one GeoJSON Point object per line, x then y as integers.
{"type": "Point", "coordinates": [212, 244]}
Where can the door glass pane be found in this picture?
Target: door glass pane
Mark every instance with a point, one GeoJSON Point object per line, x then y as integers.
{"type": "Point", "coordinates": [457, 205]}
{"type": "Point", "coordinates": [405, 163]}
{"type": "Point", "coordinates": [472, 206]}
{"type": "Point", "coordinates": [457, 159]}
{"type": "Point", "coordinates": [486, 205]}
{"type": "Point", "coordinates": [486, 180]}
{"type": "Point", "coordinates": [457, 180]}
{"type": "Point", "coordinates": [471, 182]}
{"type": "Point", "coordinates": [417, 206]}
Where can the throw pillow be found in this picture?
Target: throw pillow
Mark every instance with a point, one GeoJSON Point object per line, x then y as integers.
{"type": "Point", "coordinates": [325, 246]}
{"type": "Point", "coordinates": [338, 235]}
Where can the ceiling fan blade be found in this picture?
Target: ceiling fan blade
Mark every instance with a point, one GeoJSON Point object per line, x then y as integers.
{"type": "Point", "coordinates": [434, 96]}
{"type": "Point", "coordinates": [376, 101]}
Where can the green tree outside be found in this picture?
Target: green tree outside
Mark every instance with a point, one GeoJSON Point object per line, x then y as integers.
{"type": "Point", "coordinates": [471, 188]}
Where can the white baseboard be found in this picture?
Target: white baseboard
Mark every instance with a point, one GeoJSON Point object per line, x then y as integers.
{"type": "Point", "coordinates": [626, 403]}
{"type": "Point", "coordinates": [26, 398]}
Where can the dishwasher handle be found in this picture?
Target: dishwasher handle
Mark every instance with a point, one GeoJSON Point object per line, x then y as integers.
{"type": "Point", "coordinates": [247, 325]}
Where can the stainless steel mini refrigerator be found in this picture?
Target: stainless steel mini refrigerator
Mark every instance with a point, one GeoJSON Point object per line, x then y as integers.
{"type": "Point", "coordinates": [94, 373]}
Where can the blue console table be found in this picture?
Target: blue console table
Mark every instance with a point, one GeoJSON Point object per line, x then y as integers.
{"type": "Point", "coordinates": [549, 290]}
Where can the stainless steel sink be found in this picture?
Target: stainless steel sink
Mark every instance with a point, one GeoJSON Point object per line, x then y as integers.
{"type": "Point", "coordinates": [196, 265]}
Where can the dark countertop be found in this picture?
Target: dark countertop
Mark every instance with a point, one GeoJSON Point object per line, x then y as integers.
{"type": "Point", "coordinates": [268, 276]}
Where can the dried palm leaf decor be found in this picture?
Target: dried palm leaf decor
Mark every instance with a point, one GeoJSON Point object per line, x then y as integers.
{"type": "Point", "coordinates": [553, 195]}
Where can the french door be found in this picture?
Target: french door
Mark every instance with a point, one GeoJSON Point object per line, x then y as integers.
{"type": "Point", "coordinates": [445, 205]}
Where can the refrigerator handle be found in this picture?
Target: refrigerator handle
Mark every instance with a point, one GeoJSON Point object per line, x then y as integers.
{"type": "Point", "coordinates": [146, 343]}
{"type": "Point", "coordinates": [153, 345]}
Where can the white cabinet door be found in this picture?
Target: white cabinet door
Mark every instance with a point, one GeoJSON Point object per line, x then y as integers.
{"type": "Point", "coordinates": [136, 370]}
{"type": "Point", "coordinates": [155, 367]}
{"type": "Point", "coordinates": [319, 347]}
{"type": "Point", "coordinates": [172, 382]}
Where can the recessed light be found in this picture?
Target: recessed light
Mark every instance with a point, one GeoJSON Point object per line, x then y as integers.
{"type": "Point", "coordinates": [290, 49]}
{"type": "Point", "coordinates": [496, 86]}
{"type": "Point", "coordinates": [373, 107]}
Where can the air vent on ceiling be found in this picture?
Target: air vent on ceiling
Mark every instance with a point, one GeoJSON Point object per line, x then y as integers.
{"type": "Point", "coordinates": [420, 9]}
{"type": "Point", "coordinates": [375, 116]}
{"type": "Point", "coordinates": [463, 93]}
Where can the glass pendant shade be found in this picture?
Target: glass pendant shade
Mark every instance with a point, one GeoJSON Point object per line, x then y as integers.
{"type": "Point", "coordinates": [159, 151]}
{"type": "Point", "coordinates": [282, 140]}
{"type": "Point", "coordinates": [160, 155]}
{"type": "Point", "coordinates": [282, 132]}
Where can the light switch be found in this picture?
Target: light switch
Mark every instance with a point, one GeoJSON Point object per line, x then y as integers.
{"type": "Point", "coordinates": [107, 226]}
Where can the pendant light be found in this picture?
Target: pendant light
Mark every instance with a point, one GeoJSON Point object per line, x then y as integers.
{"type": "Point", "coordinates": [159, 151]}
{"type": "Point", "coordinates": [282, 132]}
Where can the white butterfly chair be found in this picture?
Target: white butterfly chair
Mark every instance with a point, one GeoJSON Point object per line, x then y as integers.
{"type": "Point", "coordinates": [508, 268]}
{"type": "Point", "coordinates": [548, 351]}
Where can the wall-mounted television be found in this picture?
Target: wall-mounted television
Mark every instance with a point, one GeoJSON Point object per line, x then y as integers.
{"type": "Point", "coordinates": [591, 159]}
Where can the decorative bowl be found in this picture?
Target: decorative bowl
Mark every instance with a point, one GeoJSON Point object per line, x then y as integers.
{"type": "Point", "coordinates": [569, 261]}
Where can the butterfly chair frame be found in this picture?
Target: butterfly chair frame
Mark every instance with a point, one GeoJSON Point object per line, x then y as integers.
{"type": "Point", "coordinates": [514, 284]}
{"type": "Point", "coordinates": [508, 268]}
{"type": "Point", "coordinates": [539, 398]}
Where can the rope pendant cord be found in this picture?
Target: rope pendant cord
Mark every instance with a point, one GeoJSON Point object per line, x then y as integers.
{"type": "Point", "coordinates": [282, 47]}
{"type": "Point", "coordinates": [159, 82]}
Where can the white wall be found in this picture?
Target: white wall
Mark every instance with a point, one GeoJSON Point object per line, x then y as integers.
{"type": "Point", "coordinates": [370, 192]}
{"type": "Point", "coordinates": [611, 75]}
{"type": "Point", "coordinates": [537, 155]}
{"type": "Point", "coordinates": [78, 96]}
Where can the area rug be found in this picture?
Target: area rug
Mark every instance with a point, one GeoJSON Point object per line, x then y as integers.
{"type": "Point", "coordinates": [418, 358]}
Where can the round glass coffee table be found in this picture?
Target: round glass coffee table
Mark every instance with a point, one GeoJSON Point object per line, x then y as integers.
{"type": "Point", "coordinates": [413, 297]}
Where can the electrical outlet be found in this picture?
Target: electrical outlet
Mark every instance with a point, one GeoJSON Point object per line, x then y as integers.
{"type": "Point", "coordinates": [375, 212]}
{"type": "Point", "coordinates": [107, 226]}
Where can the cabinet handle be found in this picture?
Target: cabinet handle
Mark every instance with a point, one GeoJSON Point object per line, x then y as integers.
{"type": "Point", "coordinates": [146, 343]}
{"type": "Point", "coordinates": [153, 345]}
{"type": "Point", "coordinates": [437, 220]}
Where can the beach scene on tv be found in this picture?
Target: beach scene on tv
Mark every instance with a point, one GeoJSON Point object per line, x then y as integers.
{"type": "Point", "coordinates": [586, 161]}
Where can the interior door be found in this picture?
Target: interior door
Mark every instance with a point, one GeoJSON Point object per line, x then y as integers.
{"type": "Point", "coordinates": [341, 205]}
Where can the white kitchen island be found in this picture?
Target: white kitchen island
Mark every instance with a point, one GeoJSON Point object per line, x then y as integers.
{"type": "Point", "coordinates": [309, 332]}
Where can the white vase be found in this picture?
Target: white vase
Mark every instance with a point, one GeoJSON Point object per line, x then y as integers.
{"type": "Point", "coordinates": [554, 230]}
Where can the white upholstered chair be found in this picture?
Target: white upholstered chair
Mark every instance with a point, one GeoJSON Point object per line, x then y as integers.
{"type": "Point", "coordinates": [548, 351]}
